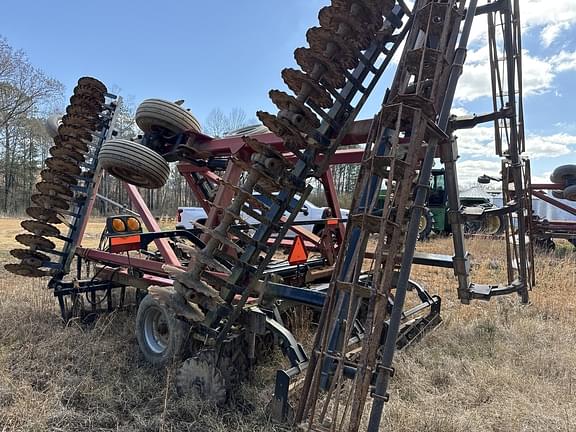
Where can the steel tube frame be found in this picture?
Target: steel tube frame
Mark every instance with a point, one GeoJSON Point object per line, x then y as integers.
{"type": "Point", "coordinates": [554, 202]}
{"type": "Point", "coordinates": [151, 224]}
{"type": "Point", "coordinates": [227, 147]}
{"type": "Point", "coordinates": [516, 163]}
{"type": "Point", "coordinates": [383, 375]}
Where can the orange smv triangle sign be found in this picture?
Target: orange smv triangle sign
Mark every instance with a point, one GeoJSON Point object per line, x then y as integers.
{"type": "Point", "coordinates": [298, 254]}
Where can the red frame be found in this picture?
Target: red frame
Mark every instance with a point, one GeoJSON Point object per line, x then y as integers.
{"type": "Point", "coordinates": [553, 228]}
{"type": "Point", "coordinates": [224, 147]}
{"type": "Point", "coordinates": [235, 147]}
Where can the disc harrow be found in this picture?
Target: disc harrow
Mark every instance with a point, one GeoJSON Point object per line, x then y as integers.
{"type": "Point", "coordinates": [350, 50]}
{"type": "Point", "coordinates": [66, 182]}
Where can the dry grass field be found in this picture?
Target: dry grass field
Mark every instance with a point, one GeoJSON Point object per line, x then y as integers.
{"type": "Point", "coordinates": [497, 366]}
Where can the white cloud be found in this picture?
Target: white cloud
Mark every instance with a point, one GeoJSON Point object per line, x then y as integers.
{"type": "Point", "coordinates": [544, 178]}
{"type": "Point", "coordinates": [551, 17]}
{"type": "Point", "coordinates": [474, 82]}
{"type": "Point", "coordinates": [538, 73]}
{"type": "Point", "coordinates": [564, 61]}
{"type": "Point", "coordinates": [459, 111]}
{"type": "Point", "coordinates": [479, 142]}
{"type": "Point", "coordinates": [551, 146]}
{"type": "Point", "coordinates": [548, 18]}
{"type": "Point", "coordinates": [551, 32]}
{"type": "Point", "coordinates": [469, 170]}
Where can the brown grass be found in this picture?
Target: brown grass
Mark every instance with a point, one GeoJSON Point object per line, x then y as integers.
{"type": "Point", "coordinates": [496, 366]}
{"type": "Point", "coordinates": [9, 228]}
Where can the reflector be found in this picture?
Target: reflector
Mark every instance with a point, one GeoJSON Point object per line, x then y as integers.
{"type": "Point", "coordinates": [118, 225]}
{"type": "Point", "coordinates": [133, 224]}
{"type": "Point", "coordinates": [298, 254]}
{"type": "Point", "coordinates": [124, 243]}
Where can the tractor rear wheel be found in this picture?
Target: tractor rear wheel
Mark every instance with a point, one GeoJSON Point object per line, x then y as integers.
{"type": "Point", "coordinates": [425, 224]}
{"type": "Point", "coordinates": [161, 336]}
{"type": "Point", "coordinates": [134, 163]}
{"type": "Point", "coordinates": [493, 225]}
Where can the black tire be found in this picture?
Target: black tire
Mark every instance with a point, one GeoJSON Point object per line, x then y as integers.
{"type": "Point", "coordinates": [426, 224]}
{"type": "Point", "coordinates": [134, 163]}
{"type": "Point", "coordinates": [570, 193]}
{"type": "Point", "coordinates": [544, 244]}
{"type": "Point", "coordinates": [560, 174]}
{"type": "Point", "coordinates": [154, 114]}
{"type": "Point", "coordinates": [318, 228]}
{"type": "Point", "coordinates": [558, 194]}
{"type": "Point", "coordinates": [162, 337]}
{"type": "Point", "coordinates": [52, 124]}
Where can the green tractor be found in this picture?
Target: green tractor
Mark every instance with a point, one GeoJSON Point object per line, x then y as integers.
{"type": "Point", "coordinates": [438, 209]}
{"type": "Point", "coordinates": [435, 215]}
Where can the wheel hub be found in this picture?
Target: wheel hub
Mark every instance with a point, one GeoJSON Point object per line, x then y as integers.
{"type": "Point", "coordinates": [156, 331]}
{"type": "Point", "coordinates": [422, 223]}
{"type": "Point", "coordinates": [492, 225]}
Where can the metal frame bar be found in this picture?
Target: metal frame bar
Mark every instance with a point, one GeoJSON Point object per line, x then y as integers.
{"type": "Point", "coordinates": [151, 224]}
{"type": "Point", "coordinates": [554, 202]}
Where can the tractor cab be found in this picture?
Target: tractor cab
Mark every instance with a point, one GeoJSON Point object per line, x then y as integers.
{"type": "Point", "coordinates": [437, 200]}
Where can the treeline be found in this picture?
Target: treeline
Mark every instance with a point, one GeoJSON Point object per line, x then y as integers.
{"type": "Point", "coordinates": [28, 96]}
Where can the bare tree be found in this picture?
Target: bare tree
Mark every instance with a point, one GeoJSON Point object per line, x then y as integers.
{"type": "Point", "coordinates": [218, 123]}
{"type": "Point", "coordinates": [23, 87]}
{"type": "Point", "coordinates": [25, 93]}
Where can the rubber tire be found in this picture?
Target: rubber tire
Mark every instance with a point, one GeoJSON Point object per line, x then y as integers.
{"type": "Point", "coordinates": [425, 232]}
{"type": "Point", "coordinates": [560, 174]}
{"type": "Point", "coordinates": [318, 228]}
{"type": "Point", "coordinates": [178, 334]}
{"type": "Point", "coordinates": [52, 124]}
{"type": "Point", "coordinates": [544, 245]}
{"type": "Point", "coordinates": [558, 194]}
{"type": "Point", "coordinates": [157, 113]}
{"type": "Point", "coordinates": [134, 163]}
{"type": "Point", "coordinates": [570, 193]}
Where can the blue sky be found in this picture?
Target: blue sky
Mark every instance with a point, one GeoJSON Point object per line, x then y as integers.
{"type": "Point", "coordinates": [226, 54]}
